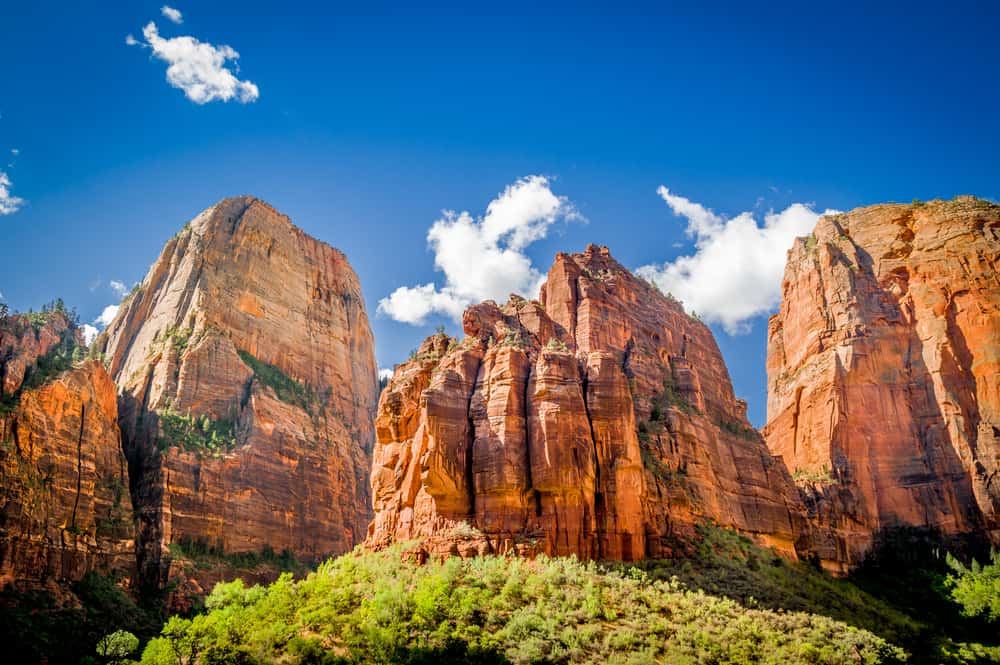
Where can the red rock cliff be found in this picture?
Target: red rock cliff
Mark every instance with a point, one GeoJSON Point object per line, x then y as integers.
{"type": "Point", "coordinates": [247, 371]}
{"type": "Point", "coordinates": [884, 370]}
{"type": "Point", "coordinates": [64, 499]}
{"type": "Point", "coordinates": [599, 421]}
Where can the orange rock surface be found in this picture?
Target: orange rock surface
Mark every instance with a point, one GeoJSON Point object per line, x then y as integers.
{"type": "Point", "coordinates": [599, 421]}
{"type": "Point", "coordinates": [241, 286]}
{"type": "Point", "coordinates": [64, 491]}
{"type": "Point", "coordinates": [884, 371]}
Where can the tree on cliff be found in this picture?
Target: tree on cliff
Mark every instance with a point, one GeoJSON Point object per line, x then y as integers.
{"type": "Point", "coordinates": [976, 588]}
{"type": "Point", "coordinates": [116, 647]}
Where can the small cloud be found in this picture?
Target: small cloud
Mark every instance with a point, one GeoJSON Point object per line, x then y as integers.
{"type": "Point", "coordinates": [484, 257]}
{"type": "Point", "coordinates": [118, 287]}
{"type": "Point", "coordinates": [108, 315]}
{"type": "Point", "coordinates": [15, 152]}
{"type": "Point", "coordinates": [130, 40]}
{"type": "Point", "coordinates": [736, 270]}
{"type": "Point", "coordinates": [172, 14]}
{"type": "Point", "coordinates": [94, 285]}
{"type": "Point", "coordinates": [89, 334]}
{"type": "Point", "coordinates": [199, 68]}
{"type": "Point", "coordinates": [9, 204]}
{"type": "Point", "coordinates": [384, 373]}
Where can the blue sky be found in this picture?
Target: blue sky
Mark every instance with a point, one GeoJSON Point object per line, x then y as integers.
{"type": "Point", "coordinates": [367, 124]}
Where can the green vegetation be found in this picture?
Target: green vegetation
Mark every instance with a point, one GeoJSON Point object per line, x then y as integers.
{"type": "Point", "coordinates": [57, 306]}
{"type": "Point", "coordinates": [898, 593]}
{"type": "Point", "coordinates": [514, 339]}
{"type": "Point", "coordinates": [816, 477]}
{"type": "Point", "coordinates": [907, 568]}
{"type": "Point", "coordinates": [976, 588]}
{"type": "Point", "coordinates": [115, 648]}
{"type": "Point", "coordinates": [286, 388]}
{"type": "Point", "coordinates": [380, 608]}
{"type": "Point", "coordinates": [206, 557]}
{"type": "Point", "coordinates": [57, 360]}
{"type": "Point", "coordinates": [556, 345]}
{"type": "Point", "coordinates": [195, 434]}
{"type": "Point", "coordinates": [741, 430]}
{"type": "Point", "coordinates": [64, 629]}
{"type": "Point", "coordinates": [178, 337]}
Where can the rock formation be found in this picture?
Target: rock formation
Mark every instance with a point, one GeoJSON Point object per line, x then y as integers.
{"type": "Point", "coordinates": [884, 371]}
{"type": "Point", "coordinates": [598, 421]}
{"type": "Point", "coordinates": [246, 368]}
{"type": "Point", "coordinates": [64, 502]}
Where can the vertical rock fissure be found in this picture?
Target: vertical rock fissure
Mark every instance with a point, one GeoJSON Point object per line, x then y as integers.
{"type": "Point", "coordinates": [529, 483]}
{"type": "Point", "coordinates": [600, 509]}
{"type": "Point", "coordinates": [79, 467]}
{"type": "Point", "coordinates": [470, 443]}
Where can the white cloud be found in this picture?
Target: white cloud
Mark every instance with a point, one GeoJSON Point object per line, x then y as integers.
{"type": "Point", "coordinates": [736, 270]}
{"type": "Point", "coordinates": [483, 258]}
{"type": "Point", "coordinates": [384, 373]}
{"type": "Point", "coordinates": [118, 287]}
{"type": "Point", "coordinates": [172, 14]}
{"type": "Point", "coordinates": [130, 40]}
{"type": "Point", "coordinates": [107, 316]}
{"type": "Point", "coordinates": [15, 152]}
{"type": "Point", "coordinates": [9, 204]}
{"type": "Point", "coordinates": [198, 68]}
{"type": "Point", "coordinates": [89, 333]}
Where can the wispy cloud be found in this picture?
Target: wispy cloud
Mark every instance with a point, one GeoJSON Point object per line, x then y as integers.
{"type": "Point", "coordinates": [736, 270]}
{"type": "Point", "coordinates": [118, 287]}
{"type": "Point", "coordinates": [198, 68]}
{"type": "Point", "coordinates": [172, 14]}
{"type": "Point", "coordinates": [483, 258]}
{"type": "Point", "coordinates": [9, 204]}
{"type": "Point", "coordinates": [107, 315]}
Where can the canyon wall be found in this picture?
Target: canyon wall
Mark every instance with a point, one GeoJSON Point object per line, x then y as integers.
{"type": "Point", "coordinates": [64, 502]}
{"type": "Point", "coordinates": [884, 372]}
{"type": "Point", "coordinates": [598, 421]}
{"type": "Point", "coordinates": [245, 363]}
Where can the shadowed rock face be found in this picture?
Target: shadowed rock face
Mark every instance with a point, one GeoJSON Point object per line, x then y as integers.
{"type": "Point", "coordinates": [599, 421]}
{"type": "Point", "coordinates": [259, 333]}
{"type": "Point", "coordinates": [884, 371]}
{"type": "Point", "coordinates": [64, 503]}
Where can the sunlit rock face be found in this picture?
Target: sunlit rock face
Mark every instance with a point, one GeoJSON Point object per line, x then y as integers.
{"type": "Point", "coordinates": [884, 371]}
{"type": "Point", "coordinates": [598, 421]}
{"type": "Point", "coordinates": [64, 501]}
{"type": "Point", "coordinates": [247, 329]}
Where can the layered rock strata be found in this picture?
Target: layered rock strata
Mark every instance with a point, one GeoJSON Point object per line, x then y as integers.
{"type": "Point", "coordinates": [884, 371]}
{"type": "Point", "coordinates": [598, 421]}
{"type": "Point", "coordinates": [65, 508]}
{"type": "Point", "coordinates": [246, 368]}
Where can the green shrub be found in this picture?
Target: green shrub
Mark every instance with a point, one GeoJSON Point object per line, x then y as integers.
{"type": "Point", "coordinates": [976, 588]}
{"type": "Point", "coordinates": [381, 608]}
{"type": "Point", "coordinates": [200, 434]}
{"type": "Point", "coordinates": [285, 388]}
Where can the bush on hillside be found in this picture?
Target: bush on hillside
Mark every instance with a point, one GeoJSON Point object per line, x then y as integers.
{"type": "Point", "coordinates": [380, 608]}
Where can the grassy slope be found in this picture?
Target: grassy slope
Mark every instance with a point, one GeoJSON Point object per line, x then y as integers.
{"type": "Point", "coordinates": [899, 594]}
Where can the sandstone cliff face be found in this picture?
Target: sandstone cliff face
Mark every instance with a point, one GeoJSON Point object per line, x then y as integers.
{"type": "Point", "coordinates": [884, 371]}
{"type": "Point", "coordinates": [246, 368]}
{"type": "Point", "coordinates": [64, 502]}
{"type": "Point", "coordinates": [599, 421]}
